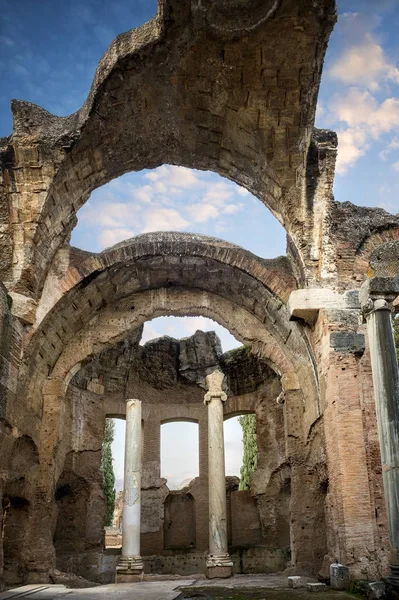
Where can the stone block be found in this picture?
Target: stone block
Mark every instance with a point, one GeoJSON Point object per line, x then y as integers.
{"type": "Point", "coordinates": [121, 577]}
{"type": "Point", "coordinates": [339, 576]}
{"type": "Point", "coordinates": [347, 341]}
{"type": "Point", "coordinates": [316, 587]}
{"type": "Point", "coordinates": [305, 304]}
{"type": "Point", "coordinates": [294, 581]}
{"type": "Point", "coordinates": [376, 590]}
{"type": "Point", "coordinates": [23, 308]}
{"type": "Point", "coordinates": [218, 572]}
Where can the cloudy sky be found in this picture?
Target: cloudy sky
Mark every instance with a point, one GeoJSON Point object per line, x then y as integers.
{"type": "Point", "coordinates": [49, 50]}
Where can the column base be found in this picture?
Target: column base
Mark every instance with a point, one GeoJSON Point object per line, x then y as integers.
{"type": "Point", "coordinates": [394, 577]}
{"type": "Point", "coordinates": [219, 566]}
{"type": "Point", "coordinates": [129, 569]}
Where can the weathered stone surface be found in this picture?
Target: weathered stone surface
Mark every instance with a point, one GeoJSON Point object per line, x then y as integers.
{"type": "Point", "coordinates": [377, 590]}
{"type": "Point", "coordinates": [344, 341]}
{"type": "Point", "coordinates": [230, 88]}
{"type": "Point", "coordinates": [294, 581]}
{"type": "Point", "coordinates": [339, 577]}
{"type": "Point", "coordinates": [316, 587]}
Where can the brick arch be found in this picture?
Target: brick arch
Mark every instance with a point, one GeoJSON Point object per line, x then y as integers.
{"type": "Point", "coordinates": [81, 268]}
{"type": "Point", "coordinates": [182, 91]}
{"type": "Point", "coordinates": [373, 242]}
{"type": "Point", "coordinates": [114, 326]}
{"type": "Point", "coordinates": [271, 336]}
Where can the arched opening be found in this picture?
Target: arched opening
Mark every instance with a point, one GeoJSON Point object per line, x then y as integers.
{"type": "Point", "coordinates": [179, 521]}
{"type": "Point", "coordinates": [181, 327]}
{"type": "Point", "coordinates": [179, 453]}
{"type": "Point", "coordinates": [15, 533]}
{"type": "Point", "coordinates": [18, 508]}
{"type": "Point", "coordinates": [243, 519]}
{"type": "Point", "coordinates": [106, 349]}
{"type": "Point", "coordinates": [71, 539]}
{"type": "Point", "coordinates": [171, 198]}
{"type": "Point", "coordinates": [233, 446]}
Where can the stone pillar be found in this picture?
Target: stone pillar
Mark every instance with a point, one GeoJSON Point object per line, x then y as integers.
{"type": "Point", "coordinates": [377, 296]}
{"type": "Point", "coordinates": [130, 566]}
{"type": "Point", "coordinates": [218, 562]}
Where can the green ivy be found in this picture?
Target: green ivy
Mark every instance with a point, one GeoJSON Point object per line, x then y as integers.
{"type": "Point", "coordinates": [107, 471]}
{"type": "Point", "coordinates": [396, 334]}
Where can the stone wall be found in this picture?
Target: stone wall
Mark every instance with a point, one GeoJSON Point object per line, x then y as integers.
{"type": "Point", "coordinates": [190, 90]}
{"type": "Point", "coordinates": [262, 520]}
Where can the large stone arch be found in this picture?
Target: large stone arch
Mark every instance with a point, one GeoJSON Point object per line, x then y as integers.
{"type": "Point", "coordinates": [183, 89]}
{"type": "Point", "coordinates": [73, 267]}
{"type": "Point", "coordinates": [111, 295]}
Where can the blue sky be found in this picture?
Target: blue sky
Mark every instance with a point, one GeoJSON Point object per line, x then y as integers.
{"type": "Point", "coordinates": [49, 51]}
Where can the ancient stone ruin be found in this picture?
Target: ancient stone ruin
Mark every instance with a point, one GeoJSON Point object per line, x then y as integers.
{"type": "Point", "coordinates": [229, 87]}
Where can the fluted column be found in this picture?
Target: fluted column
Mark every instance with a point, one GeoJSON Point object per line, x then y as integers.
{"type": "Point", "coordinates": [130, 564]}
{"type": "Point", "coordinates": [218, 561]}
{"type": "Point", "coordinates": [377, 296]}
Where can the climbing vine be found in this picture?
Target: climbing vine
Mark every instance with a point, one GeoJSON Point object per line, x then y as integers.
{"type": "Point", "coordinates": [250, 456]}
{"type": "Point", "coordinates": [396, 334]}
{"type": "Point", "coordinates": [107, 471]}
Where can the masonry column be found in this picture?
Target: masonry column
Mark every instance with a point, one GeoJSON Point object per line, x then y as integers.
{"type": "Point", "coordinates": [377, 296]}
{"type": "Point", "coordinates": [130, 567]}
{"type": "Point", "coordinates": [218, 562]}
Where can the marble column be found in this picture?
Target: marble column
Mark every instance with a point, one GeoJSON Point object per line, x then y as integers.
{"type": "Point", "coordinates": [218, 562]}
{"type": "Point", "coordinates": [377, 296]}
{"type": "Point", "coordinates": [130, 566]}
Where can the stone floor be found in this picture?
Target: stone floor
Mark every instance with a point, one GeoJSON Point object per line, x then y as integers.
{"type": "Point", "coordinates": [239, 587]}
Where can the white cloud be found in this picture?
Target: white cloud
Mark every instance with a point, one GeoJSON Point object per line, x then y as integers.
{"type": "Point", "coordinates": [391, 147]}
{"type": "Point", "coordinates": [167, 199]}
{"type": "Point", "coordinates": [110, 237]}
{"type": "Point", "coordinates": [202, 212]}
{"type": "Point", "coordinates": [365, 106]}
{"type": "Point", "coordinates": [396, 165]}
{"type": "Point", "coordinates": [242, 191]}
{"type": "Point", "coordinates": [180, 177]}
{"type": "Point", "coordinates": [219, 193]}
{"type": "Point", "coordinates": [364, 64]}
{"type": "Point", "coordinates": [163, 219]}
{"type": "Point", "coordinates": [231, 209]}
{"type": "Point", "coordinates": [362, 119]}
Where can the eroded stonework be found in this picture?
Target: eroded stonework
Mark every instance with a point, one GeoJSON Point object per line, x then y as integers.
{"type": "Point", "coordinates": [229, 87]}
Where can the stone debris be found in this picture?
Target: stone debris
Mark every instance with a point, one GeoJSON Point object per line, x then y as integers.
{"type": "Point", "coordinates": [339, 577]}
{"type": "Point", "coordinates": [376, 590]}
{"type": "Point", "coordinates": [294, 581]}
{"type": "Point", "coordinates": [316, 587]}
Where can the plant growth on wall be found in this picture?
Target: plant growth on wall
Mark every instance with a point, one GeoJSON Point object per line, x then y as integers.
{"type": "Point", "coordinates": [396, 333]}
{"type": "Point", "coordinates": [107, 471]}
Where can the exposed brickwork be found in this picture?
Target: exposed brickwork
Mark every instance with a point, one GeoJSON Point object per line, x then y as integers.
{"type": "Point", "coordinates": [232, 91]}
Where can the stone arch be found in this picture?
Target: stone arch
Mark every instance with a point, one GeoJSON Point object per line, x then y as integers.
{"type": "Point", "coordinates": [113, 326]}
{"type": "Point", "coordinates": [114, 293]}
{"type": "Point", "coordinates": [238, 111]}
{"type": "Point", "coordinates": [162, 260]}
{"type": "Point", "coordinates": [361, 266]}
{"type": "Point", "coordinates": [77, 268]}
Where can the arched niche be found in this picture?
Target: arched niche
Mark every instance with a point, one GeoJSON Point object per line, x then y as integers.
{"type": "Point", "coordinates": [179, 521]}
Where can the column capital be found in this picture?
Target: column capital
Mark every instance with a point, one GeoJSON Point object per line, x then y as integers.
{"type": "Point", "coordinates": [132, 401]}
{"type": "Point", "coordinates": [214, 383]}
{"type": "Point", "coordinates": [378, 293]}
{"type": "Point", "coordinates": [211, 395]}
